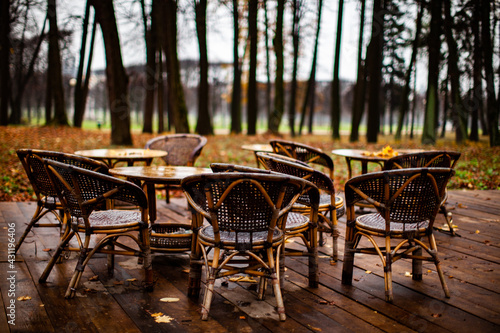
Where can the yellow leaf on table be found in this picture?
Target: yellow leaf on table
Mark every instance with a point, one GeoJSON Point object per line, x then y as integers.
{"type": "Point", "coordinates": [169, 299]}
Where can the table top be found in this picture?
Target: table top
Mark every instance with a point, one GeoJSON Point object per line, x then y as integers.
{"type": "Point", "coordinates": [258, 147]}
{"type": "Point", "coordinates": [360, 154]}
{"type": "Point", "coordinates": [158, 174]}
{"type": "Point", "coordinates": [122, 153]}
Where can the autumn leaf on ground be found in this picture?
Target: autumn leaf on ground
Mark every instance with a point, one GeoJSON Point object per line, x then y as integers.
{"type": "Point", "coordinates": [368, 272]}
{"type": "Point", "coordinates": [94, 278]}
{"type": "Point", "coordinates": [436, 315]}
{"type": "Point", "coordinates": [169, 299]}
{"type": "Point", "coordinates": [131, 280]}
{"type": "Point", "coordinates": [24, 298]}
{"type": "Point", "coordinates": [46, 250]}
{"type": "Point", "coordinates": [407, 274]}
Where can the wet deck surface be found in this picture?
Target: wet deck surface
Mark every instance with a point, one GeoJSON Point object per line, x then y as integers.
{"type": "Point", "coordinates": [118, 304]}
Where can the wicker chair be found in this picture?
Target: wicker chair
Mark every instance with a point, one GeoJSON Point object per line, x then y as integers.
{"type": "Point", "coordinates": [429, 159]}
{"type": "Point", "coordinates": [81, 192]}
{"type": "Point", "coordinates": [407, 202]}
{"type": "Point", "coordinates": [183, 149]}
{"type": "Point", "coordinates": [47, 200]}
{"type": "Point", "coordinates": [302, 152]}
{"type": "Point", "coordinates": [300, 226]}
{"type": "Point", "coordinates": [247, 213]}
{"type": "Point", "coordinates": [331, 206]}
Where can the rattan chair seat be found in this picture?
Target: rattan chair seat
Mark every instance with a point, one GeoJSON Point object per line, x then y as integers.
{"type": "Point", "coordinates": [228, 238]}
{"type": "Point", "coordinates": [112, 219]}
{"type": "Point", "coordinates": [296, 221]}
{"type": "Point", "coordinates": [375, 222]}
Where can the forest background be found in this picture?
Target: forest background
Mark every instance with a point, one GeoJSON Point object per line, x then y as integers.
{"type": "Point", "coordinates": [261, 92]}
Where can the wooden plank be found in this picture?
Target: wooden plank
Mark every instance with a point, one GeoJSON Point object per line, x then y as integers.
{"type": "Point", "coordinates": [29, 315]}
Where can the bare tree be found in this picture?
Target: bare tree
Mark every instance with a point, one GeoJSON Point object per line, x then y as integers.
{"type": "Point", "coordinates": [117, 78]}
{"type": "Point", "coordinates": [204, 124]}
{"type": "Point", "coordinates": [252, 98]}
{"type": "Point", "coordinates": [336, 108]}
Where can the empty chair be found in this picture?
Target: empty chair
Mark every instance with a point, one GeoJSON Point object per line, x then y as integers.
{"type": "Point", "coordinates": [331, 206]}
{"type": "Point", "coordinates": [303, 227]}
{"type": "Point", "coordinates": [303, 152]}
{"type": "Point", "coordinates": [407, 202]}
{"type": "Point", "coordinates": [47, 200]}
{"type": "Point", "coordinates": [81, 191]}
{"type": "Point", "coordinates": [182, 150]}
{"type": "Point", "coordinates": [428, 159]}
{"type": "Point", "coordinates": [246, 212]}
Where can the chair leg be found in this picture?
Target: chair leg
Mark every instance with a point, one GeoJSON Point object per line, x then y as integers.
{"type": "Point", "coordinates": [388, 270]}
{"type": "Point", "coordinates": [62, 245]}
{"type": "Point", "coordinates": [313, 259]}
{"type": "Point", "coordinates": [209, 290]}
{"type": "Point", "coordinates": [280, 306]}
{"type": "Point", "coordinates": [335, 235]}
{"type": "Point", "coordinates": [80, 267]}
{"type": "Point", "coordinates": [262, 288]}
{"type": "Point", "coordinates": [111, 260]}
{"type": "Point", "coordinates": [36, 216]}
{"type": "Point", "coordinates": [417, 266]}
{"type": "Point", "coordinates": [348, 266]}
{"type": "Point", "coordinates": [432, 242]}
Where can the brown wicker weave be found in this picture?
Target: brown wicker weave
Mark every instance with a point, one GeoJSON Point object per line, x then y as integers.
{"type": "Point", "coordinates": [302, 152]}
{"type": "Point", "coordinates": [183, 149]}
{"type": "Point", "coordinates": [331, 206]}
{"type": "Point", "coordinates": [429, 159]}
{"type": "Point", "coordinates": [247, 213]}
{"type": "Point", "coordinates": [303, 227]}
{"type": "Point", "coordinates": [81, 192]}
{"type": "Point", "coordinates": [407, 202]}
{"type": "Point", "coordinates": [47, 200]}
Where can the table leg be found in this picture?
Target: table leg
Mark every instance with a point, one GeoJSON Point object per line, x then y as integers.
{"type": "Point", "coordinates": [151, 194]}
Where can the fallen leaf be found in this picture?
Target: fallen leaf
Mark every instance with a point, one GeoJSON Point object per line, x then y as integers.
{"type": "Point", "coordinates": [46, 250]}
{"type": "Point", "coordinates": [163, 319]}
{"type": "Point", "coordinates": [368, 272]}
{"type": "Point", "coordinates": [131, 280]}
{"type": "Point", "coordinates": [169, 299]}
{"type": "Point", "coordinates": [94, 278]}
{"type": "Point", "coordinates": [461, 206]}
{"type": "Point", "coordinates": [156, 314]}
{"type": "Point", "coordinates": [323, 302]}
{"type": "Point", "coordinates": [24, 298]}
{"type": "Point", "coordinates": [477, 231]}
{"type": "Point", "coordinates": [117, 282]}
{"type": "Point", "coordinates": [242, 317]}
{"type": "Point", "coordinates": [408, 274]}
{"type": "Point", "coordinates": [436, 315]}
{"type": "Point", "coordinates": [429, 271]}
{"type": "Point", "coordinates": [315, 328]}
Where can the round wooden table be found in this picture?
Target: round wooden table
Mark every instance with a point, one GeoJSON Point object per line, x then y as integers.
{"type": "Point", "coordinates": [165, 236]}
{"type": "Point", "coordinates": [361, 156]}
{"type": "Point", "coordinates": [150, 175]}
{"type": "Point", "coordinates": [129, 155]}
{"type": "Point", "coordinates": [258, 147]}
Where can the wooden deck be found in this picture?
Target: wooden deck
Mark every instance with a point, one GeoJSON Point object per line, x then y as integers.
{"type": "Point", "coordinates": [117, 304]}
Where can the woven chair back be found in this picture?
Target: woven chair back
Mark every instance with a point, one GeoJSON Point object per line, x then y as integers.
{"type": "Point", "coordinates": [182, 149]}
{"type": "Point", "coordinates": [407, 196]}
{"type": "Point", "coordinates": [81, 190]}
{"type": "Point", "coordinates": [32, 161]}
{"type": "Point", "coordinates": [428, 159]}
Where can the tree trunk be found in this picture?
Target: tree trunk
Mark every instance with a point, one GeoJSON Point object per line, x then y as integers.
{"type": "Point", "coordinates": [293, 88]}
{"type": "Point", "coordinates": [5, 47]}
{"type": "Point", "coordinates": [236, 95]}
{"type": "Point", "coordinates": [78, 113]}
{"type": "Point", "coordinates": [279, 99]}
{"type": "Point", "coordinates": [359, 88]}
{"type": "Point", "coordinates": [375, 71]}
{"type": "Point", "coordinates": [252, 97]}
{"type": "Point", "coordinates": [404, 105]}
{"type": "Point", "coordinates": [268, 62]}
{"type": "Point", "coordinates": [117, 78]}
{"type": "Point", "coordinates": [492, 104]}
{"type": "Point", "coordinates": [432, 100]}
{"type": "Point", "coordinates": [60, 117]}
{"type": "Point", "coordinates": [151, 48]}
{"type": "Point", "coordinates": [460, 115]}
{"type": "Point", "coordinates": [167, 32]}
{"type": "Point", "coordinates": [476, 100]}
{"type": "Point", "coordinates": [311, 83]}
{"type": "Point", "coordinates": [204, 125]}
{"type": "Point", "coordinates": [336, 107]}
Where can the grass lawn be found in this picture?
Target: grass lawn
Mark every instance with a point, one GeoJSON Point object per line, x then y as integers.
{"type": "Point", "coordinates": [478, 167]}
